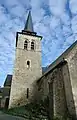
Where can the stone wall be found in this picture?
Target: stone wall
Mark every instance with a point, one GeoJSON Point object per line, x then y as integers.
{"type": "Point", "coordinates": [72, 66]}
{"type": "Point", "coordinates": [23, 77]}
{"type": "Point", "coordinates": [64, 77]}
{"type": "Point", "coordinates": [68, 90]}
{"type": "Point", "coordinates": [59, 99]}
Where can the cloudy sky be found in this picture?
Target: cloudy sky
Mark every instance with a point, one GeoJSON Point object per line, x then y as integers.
{"type": "Point", "coordinates": [55, 20]}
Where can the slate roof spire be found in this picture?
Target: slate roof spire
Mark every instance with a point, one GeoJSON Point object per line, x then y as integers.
{"type": "Point", "coordinates": [29, 25]}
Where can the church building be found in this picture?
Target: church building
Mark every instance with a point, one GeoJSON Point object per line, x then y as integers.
{"type": "Point", "coordinates": [29, 83]}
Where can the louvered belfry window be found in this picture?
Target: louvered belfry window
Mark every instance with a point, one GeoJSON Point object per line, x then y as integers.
{"type": "Point", "coordinates": [25, 44]}
{"type": "Point", "coordinates": [32, 45]}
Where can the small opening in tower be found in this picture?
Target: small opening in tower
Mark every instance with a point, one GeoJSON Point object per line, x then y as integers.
{"type": "Point", "coordinates": [28, 64]}
{"type": "Point", "coordinates": [25, 44]}
{"type": "Point", "coordinates": [32, 45]}
{"type": "Point", "coordinates": [27, 93]}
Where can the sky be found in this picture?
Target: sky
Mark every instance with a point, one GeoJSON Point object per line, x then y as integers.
{"type": "Point", "coordinates": [55, 20]}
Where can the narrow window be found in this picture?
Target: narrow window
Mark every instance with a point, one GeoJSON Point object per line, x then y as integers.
{"type": "Point", "coordinates": [28, 64]}
{"type": "Point", "coordinates": [32, 45]}
{"type": "Point", "coordinates": [18, 104]}
{"type": "Point", "coordinates": [27, 93]}
{"type": "Point", "coordinates": [25, 44]}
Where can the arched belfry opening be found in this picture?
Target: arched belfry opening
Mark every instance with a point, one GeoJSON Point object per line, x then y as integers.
{"type": "Point", "coordinates": [26, 44]}
{"type": "Point", "coordinates": [32, 45]}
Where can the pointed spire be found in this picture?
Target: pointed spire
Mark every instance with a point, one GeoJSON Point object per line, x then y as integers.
{"type": "Point", "coordinates": [29, 24]}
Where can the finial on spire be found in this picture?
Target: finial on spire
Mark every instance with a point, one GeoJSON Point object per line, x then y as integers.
{"type": "Point", "coordinates": [29, 25]}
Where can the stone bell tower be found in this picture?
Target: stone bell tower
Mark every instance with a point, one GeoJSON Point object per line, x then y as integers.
{"type": "Point", "coordinates": [27, 68]}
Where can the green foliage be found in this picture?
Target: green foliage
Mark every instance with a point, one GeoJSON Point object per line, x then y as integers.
{"type": "Point", "coordinates": [34, 111]}
{"type": "Point", "coordinates": [30, 111]}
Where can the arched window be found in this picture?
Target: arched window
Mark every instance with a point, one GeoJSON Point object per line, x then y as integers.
{"type": "Point", "coordinates": [25, 44]}
{"type": "Point", "coordinates": [32, 45]}
{"type": "Point", "coordinates": [28, 64]}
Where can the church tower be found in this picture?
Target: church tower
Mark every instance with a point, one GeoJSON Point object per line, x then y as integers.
{"type": "Point", "coordinates": [27, 68]}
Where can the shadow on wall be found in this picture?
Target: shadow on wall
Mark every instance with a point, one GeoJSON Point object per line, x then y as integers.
{"type": "Point", "coordinates": [36, 94]}
{"type": "Point", "coordinates": [68, 91]}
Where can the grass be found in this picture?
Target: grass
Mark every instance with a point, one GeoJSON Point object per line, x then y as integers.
{"type": "Point", "coordinates": [38, 111]}
{"type": "Point", "coordinates": [29, 111]}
